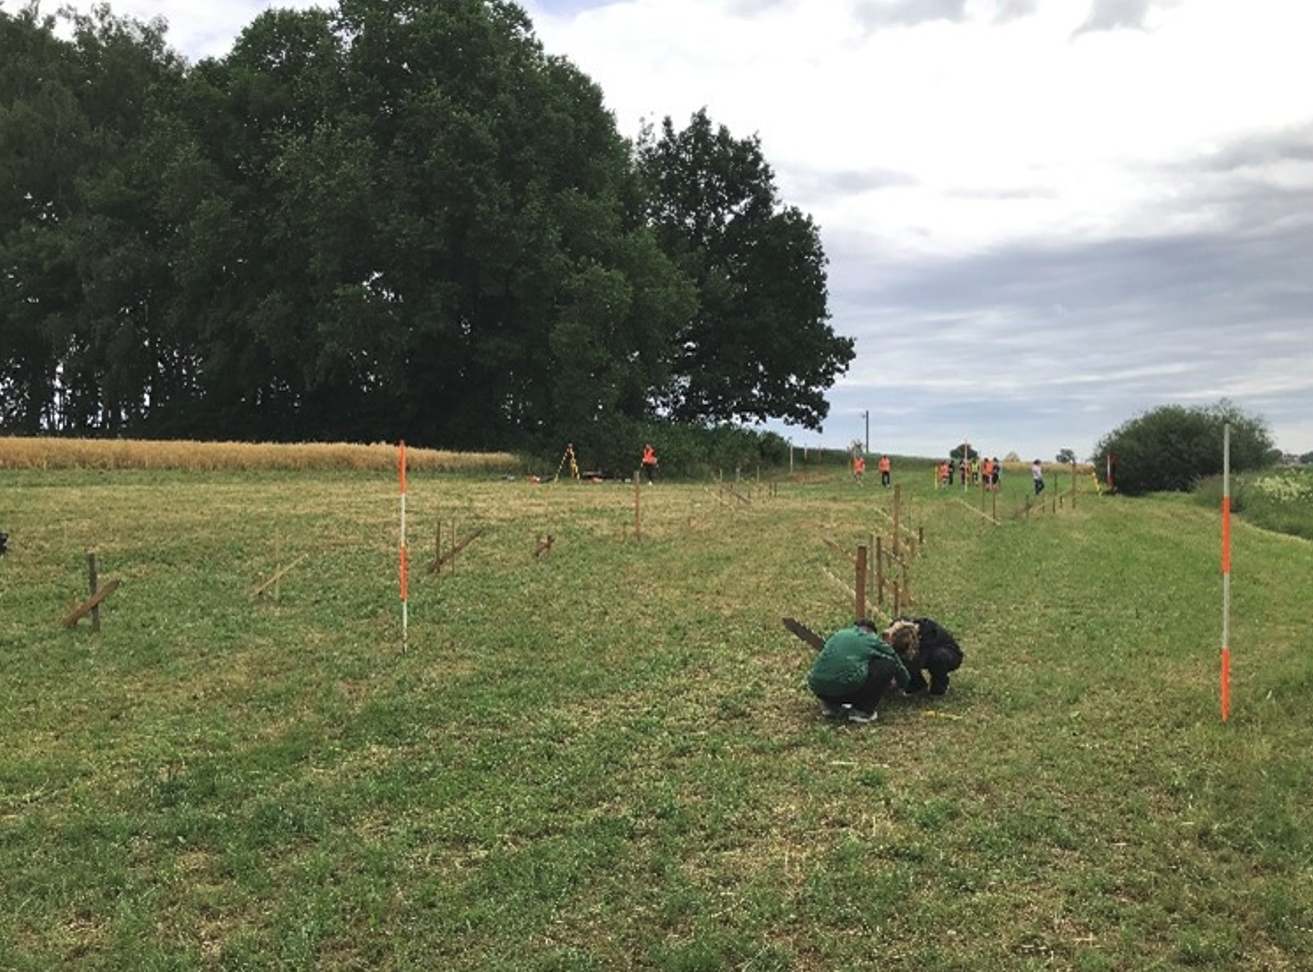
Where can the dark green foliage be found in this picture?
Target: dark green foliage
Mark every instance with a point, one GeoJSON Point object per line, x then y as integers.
{"type": "Point", "coordinates": [1173, 447]}
{"type": "Point", "coordinates": [684, 450]}
{"type": "Point", "coordinates": [389, 218]}
{"type": "Point", "coordinates": [759, 345]}
{"type": "Point", "coordinates": [1278, 499]}
{"type": "Point", "coordinates": [80, 256]}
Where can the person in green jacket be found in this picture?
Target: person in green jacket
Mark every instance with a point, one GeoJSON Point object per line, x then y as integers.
{"type": "Point", "coordinates": [853, 670]}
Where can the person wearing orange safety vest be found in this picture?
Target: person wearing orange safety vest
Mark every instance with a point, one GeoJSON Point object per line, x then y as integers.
{"type": "Point", "coordinates": [859, 469]}
{"type": "Point", "coordinates": [649, 463]}
{"type": "Point", "coordinates": [884, 470]}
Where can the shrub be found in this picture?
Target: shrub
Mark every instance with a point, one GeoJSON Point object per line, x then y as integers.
{"type": "Point", "coordinates": [1172, 448]}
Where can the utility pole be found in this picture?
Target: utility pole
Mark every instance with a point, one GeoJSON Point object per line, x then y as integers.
{"type": "Point", "coordinates": [867, 415]}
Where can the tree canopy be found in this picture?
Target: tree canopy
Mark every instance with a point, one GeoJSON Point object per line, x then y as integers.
{"type": "Point", "coordinates": [1172, 447]}
{"type": "Point", "coordinates": [387, 218]}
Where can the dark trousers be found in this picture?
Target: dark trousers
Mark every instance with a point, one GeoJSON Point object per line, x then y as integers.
{"type": "Point", "coordinates": [1039, 486]}
{"type": "Point", "coordinates": [879, 673]}
{"type": "Point", "coordinates": [649, 471]}
{"type": "Point", "coordinates": [938, 662]}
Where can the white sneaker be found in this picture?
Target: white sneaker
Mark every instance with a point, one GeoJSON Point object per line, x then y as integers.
{"type": "Point", "coordinates": [857, 715]}
{"type": "Point", "coordinates": [831, 710]}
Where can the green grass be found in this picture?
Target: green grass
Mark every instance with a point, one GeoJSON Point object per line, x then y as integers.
{"type": "Point", "coordinates": [605, 758]}
{"type": "Point", "coordinates": [1279, 499]}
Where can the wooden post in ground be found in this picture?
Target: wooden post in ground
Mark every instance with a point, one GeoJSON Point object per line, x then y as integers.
{"type": "Point", "coordinates": [859, 603]}
{"type": "Point", "coordinates": [898, 506]}
{"type": "Point", "coordinates": [879, 571]}
{"type": "Point", "coordinates": [907, 585]}
{"type": "Point", "coordinates": [93, 585]}
{"type": "Point", "coordinates": [638, 517]}
{"type": "Point", "coordinates": [79, 611]}
{"type": "Point", "coordinates": [872, 540]}
{"type": "Point", "coordinates": [1073, 485]}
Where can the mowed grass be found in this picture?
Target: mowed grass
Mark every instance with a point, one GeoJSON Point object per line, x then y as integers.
{"type": "Point", "coordinates": [603, 757]}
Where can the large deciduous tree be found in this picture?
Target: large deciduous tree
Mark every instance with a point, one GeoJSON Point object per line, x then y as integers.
{"type": "Point", "coordinates": [759, 345]}
{"type": "Point", "coordinates": [391, 217]}
{"type": "Point", "coordinates": [82, 265]}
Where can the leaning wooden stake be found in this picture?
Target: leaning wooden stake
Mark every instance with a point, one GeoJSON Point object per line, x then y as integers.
{"type": "Point", "coordinates": [980, 511]}
{"type": "Point", "coordinates": [86, 607]}
{"type": "Point", "coordinates": [277, 576]}
{"type": "Point", "coordinates": [450, 556]}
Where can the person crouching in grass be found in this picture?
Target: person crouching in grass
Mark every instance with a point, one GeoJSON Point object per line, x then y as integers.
{"type": "Point", "coordinates": [924, 646]}
{"type": "Point", "coordinates": [853, 670]}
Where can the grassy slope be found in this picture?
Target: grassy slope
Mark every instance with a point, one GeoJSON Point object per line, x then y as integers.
{"type": "Point", "coordinates": [604, 758]}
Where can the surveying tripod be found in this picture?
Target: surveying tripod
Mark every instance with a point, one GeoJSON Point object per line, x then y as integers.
{"type": "Point", "coordinates": [574, 466]}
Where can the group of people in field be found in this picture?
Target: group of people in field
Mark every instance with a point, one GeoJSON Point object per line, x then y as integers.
{"type": "Point", "coordinates": [986, 472]}
{"type": "Point", "coordinates": [859, 469]}
{"type": "Point", "coordinates": [857, 665]}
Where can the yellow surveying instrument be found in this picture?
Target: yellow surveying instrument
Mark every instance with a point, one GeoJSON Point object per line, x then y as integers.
{"type": "Point", "coordinates": [574, 466]}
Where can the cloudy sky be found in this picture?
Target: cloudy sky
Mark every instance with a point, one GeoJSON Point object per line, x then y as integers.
{"type": "Point", "coordinates": [1042, 218]}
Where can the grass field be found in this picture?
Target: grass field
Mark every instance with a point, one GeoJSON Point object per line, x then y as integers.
{"type": "Point", "coordinates": [603, 756]}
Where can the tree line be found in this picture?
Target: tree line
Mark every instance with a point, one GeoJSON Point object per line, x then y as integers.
{"type": "Point", "coordinates": [387, 218]}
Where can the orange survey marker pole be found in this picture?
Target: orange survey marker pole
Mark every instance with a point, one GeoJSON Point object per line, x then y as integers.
{"type": "Point", "coordinates": [1226, 572]}
{"type": "Point", "coordinates": [401, 471]}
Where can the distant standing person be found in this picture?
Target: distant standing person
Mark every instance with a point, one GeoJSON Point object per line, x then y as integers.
{"type": "Point", "coordinates": [1037, 474]}
{"type": "Point", "coordinates": [649, 463]}
{"type": "Point", "coordinates": [884, 470]}
{"type": "Point", "coordinates": [859, 469]}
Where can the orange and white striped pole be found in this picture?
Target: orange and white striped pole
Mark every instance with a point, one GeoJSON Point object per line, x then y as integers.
{"type": "Point", "coordinates": [405, 614]}
{"type": "Point", "coordinates": [1226, 572]}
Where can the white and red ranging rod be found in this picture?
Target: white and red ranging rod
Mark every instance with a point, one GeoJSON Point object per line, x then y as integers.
{"type": "Point", "coordinates": [1226, 572]}
{"type": "Point", "coordinates": [401, 469]}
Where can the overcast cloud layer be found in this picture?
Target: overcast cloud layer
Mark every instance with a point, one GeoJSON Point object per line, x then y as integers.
{"type": "Point", "coordinates": [1042, 219]}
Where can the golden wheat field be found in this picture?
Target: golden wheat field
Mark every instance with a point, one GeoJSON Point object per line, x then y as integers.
{"type": "Point", "coordinates": [48, 452]}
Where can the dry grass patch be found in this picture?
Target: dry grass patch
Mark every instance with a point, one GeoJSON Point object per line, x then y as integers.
{"type": "Point", "coordinates": [48, 453]}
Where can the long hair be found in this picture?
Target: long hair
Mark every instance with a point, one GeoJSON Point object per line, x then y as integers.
{"type": "Point", "coordinates": [904, 637]}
